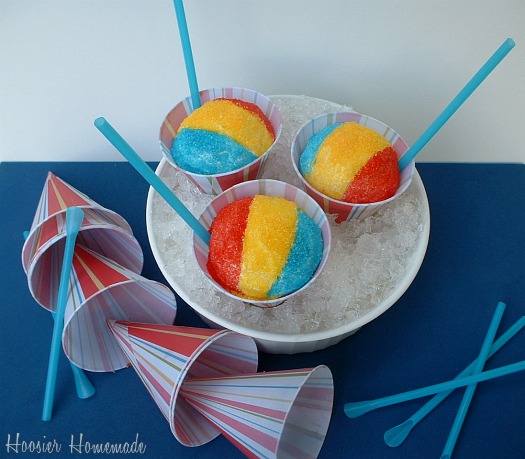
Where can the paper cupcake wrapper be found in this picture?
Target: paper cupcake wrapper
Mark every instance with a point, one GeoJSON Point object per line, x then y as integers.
{"type": "Point", "coordinates": [349, 211]}
{"type": "Point", "coordinates": [163, 356]}
{"type": "Point", "coordinates": [269, 188]}
{"type": "Point", "coordinates": [101, 289]}
{"type": "Point", "coordinates": [268, 415]}
{"type": "Point", "coordinates": [215, 184]}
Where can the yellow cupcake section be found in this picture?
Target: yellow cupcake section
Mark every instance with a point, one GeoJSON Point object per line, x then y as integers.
{"type": "Point", "coordinates": [268, 239]}
{"type": "Point", "coordinates": [341, 156]}
{"type": "Point", "coordinates": [224, 117]}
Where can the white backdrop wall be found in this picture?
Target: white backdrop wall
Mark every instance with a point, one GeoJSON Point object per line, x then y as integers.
{"type": "Point", "coordinates": [65, 62]}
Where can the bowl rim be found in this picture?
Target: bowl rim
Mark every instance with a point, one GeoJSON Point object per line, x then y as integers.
{"type": "Point", "coordinates": [319, 335]}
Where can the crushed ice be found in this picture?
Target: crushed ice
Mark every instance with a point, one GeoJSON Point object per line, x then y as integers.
{"type": "Point", "coordinates": [368, 259]}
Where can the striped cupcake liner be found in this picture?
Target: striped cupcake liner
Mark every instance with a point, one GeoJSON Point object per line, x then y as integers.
{"type": "Point", "coordinates": [216, 184]}
{"type": "Point", "coordinates": [165, 356]}
{"type": "Point", "coordinates": [266, 187]}
{"type": "Point", "coordinates": [102, 230]}
{"type": "Point", "coordinates": [345, 211]}
{"type": "Point", "coordinates": [101, 289]}
{"type": "Point", "coordinates": [268, 415]}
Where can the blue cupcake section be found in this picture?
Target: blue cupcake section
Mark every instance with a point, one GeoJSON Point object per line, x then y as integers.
{"type": "Point", "coordinates": [303, 259]}
{"type": "Point", "coordinates": [197, 151]}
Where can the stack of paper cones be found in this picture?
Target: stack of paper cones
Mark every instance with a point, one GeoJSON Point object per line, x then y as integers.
{"type": "Point", "coordinates": [205, 383]}
{"type": "Point", "coordinates": [104, 283]}
{"type": "Point", "coordinates": [274, 414]}
{"type": "Point", "coordinates": [102, 230]}
{"type": "Point", "coordinates": [165, 356]}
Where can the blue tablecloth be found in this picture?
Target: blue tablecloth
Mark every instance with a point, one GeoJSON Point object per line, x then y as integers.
{"type": "Point", "coordinates": [475, 258]}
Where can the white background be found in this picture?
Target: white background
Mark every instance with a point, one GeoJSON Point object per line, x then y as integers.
{"type": "Point", "coordinates": [66, 62]}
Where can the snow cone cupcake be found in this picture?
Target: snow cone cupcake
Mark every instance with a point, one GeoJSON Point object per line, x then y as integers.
{"type": "Point", "coordinates": [269, 240]}
{"type": "Point", "coordinates": [222, 135]}
{"type": "Point", "coordinates": [348, 162]}
{"type": "Point", "coordinates": [351, 163]}
{"type": "Point", "coordinates": [263, 247]}
{"type": "Point", "coordinates": [223, 142]}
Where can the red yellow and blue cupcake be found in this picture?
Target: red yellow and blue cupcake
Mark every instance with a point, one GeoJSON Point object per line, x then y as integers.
{"type": "Point", "coordinates": [351, 163]}
{"type": "Point", "coordinates": [263, 247]}
{"type": "Point", "coordinates": [221, 136]}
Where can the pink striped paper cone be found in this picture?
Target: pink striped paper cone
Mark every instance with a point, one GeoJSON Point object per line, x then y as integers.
{"type": "Point", "coordinates": [164, 356]}
{"type": "Point", "coordinates": [215, 184]}
{"type": "Point", "coordinates": [101, 289]}
{"type": "Point", "coordinates": [274, 414]}
{"type": "Point", "coordinates": [102, 230]}
{"type": "Point", "coordinates": [345, 211]}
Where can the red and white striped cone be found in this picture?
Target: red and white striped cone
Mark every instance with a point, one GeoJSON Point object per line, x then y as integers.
{"type": "Point", "coordinates": [102, 230]}
{"type": "Point", "coordinates": [164, 356]}
{"type": "Point", "coordinates": [101, 289]}
{"type": "Point", "coordinates": [270, 415]}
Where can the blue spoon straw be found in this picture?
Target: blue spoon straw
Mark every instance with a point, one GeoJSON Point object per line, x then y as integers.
{"type": "Point", "coordinates": [83, 385]}
{"type": "Point", "coordinates": [471, 388]}
{"type": "Point", "coordinates": [451, 108]}
{"type": "Point", "coordinates": [147, 173]}
{"type": "Point", "coordinates": [396, 435]}
{"type": "Point", "coordinates": [74, 218]}
{"type": "Point", "coordinates": [188, 55]}
{"type": "Point", "coordinates": [355, 409]}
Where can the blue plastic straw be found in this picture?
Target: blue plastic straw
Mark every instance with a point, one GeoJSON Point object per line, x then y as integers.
{"type": "Point", "coordinates": [143, 169]}
{"type": "Point", "coordinates": [188, 55]}
{"type": "Point", "coordinates": [355, 409]}
{"type": "Point", "coordinates": [83, 385]}
{"type": "Point", "coordinates": [471, 388]}
{"type": "Point", "coordinates": [462, 96]}
{"type": "Point", "coordinates": [396, 435]}
{"type": "Point", "coordinates": [74, 218]}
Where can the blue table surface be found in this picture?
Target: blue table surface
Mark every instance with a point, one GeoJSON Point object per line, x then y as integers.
{"type": "Point", "coordinates": [475, 258]}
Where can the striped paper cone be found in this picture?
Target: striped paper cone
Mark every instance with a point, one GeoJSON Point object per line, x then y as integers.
{"type": "Point", "coordinates": [343, 210]}
{"type": "Point", "coordinates": [101, 289]}
{"type": "Point", "coordinates": [215, 184]}
{"type": "Point", "coordinates": [269, 188]}
{"type": "Point", "coordinates": [164, 356]}
{"type": "Point", "coordinates": [274, 414]}
{"type": "Point", "coordinates": [102, 230]}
